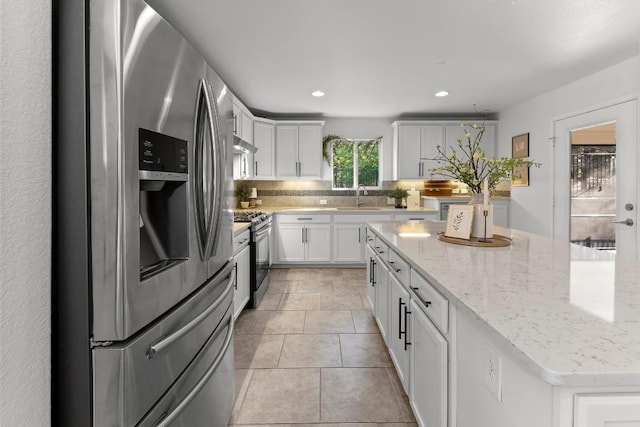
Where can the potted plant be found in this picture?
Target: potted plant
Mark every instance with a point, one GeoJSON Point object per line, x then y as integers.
{"type": "Point", "coordinates": [398, 194]}
{"type": "Point", "coordinates": [243, 192]}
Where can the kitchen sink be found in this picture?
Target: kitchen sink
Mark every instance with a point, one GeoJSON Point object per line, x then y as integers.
{"type": "Point", "coordinates": [361, 208]}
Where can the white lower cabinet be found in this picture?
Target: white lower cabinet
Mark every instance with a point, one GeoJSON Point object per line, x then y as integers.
{"type": "Point", "coordinates": [347, 242]}
{"type": "Point", "coordinates": [304, 238]}
{"type": "Point", "coordinates": [398, 338]}
{"type": "Point", "coordinates": [428, 372]}
{"type": "Point", "coordinates": [607, 410]}
{"type": "Point", "coordinates": [241, 292]}
{"type": "Point", "coordinates": [381, 311]}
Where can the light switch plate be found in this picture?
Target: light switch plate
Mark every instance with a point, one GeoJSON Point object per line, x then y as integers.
{"type": "Point", "coordinates": [323, 202]}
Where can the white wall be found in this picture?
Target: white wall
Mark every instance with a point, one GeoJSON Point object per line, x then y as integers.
{"type": "Point", "coordinates": [25, 212]}
{"type": "Point", "coordinates": [531, 207]}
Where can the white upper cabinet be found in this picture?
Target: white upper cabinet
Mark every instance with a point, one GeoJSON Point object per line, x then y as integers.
{"type": "Point", "coordinates": [242, 121]}
{"type": "Point", "coordinates": [264, 141]}
{"type": "Point", "coordinates": [415, 145]}
{"type": "Point", "coordinates": [299, 150]}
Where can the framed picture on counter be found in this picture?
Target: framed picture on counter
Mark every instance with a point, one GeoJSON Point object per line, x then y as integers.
{"type": "Point", "coordinates": [459, 221]}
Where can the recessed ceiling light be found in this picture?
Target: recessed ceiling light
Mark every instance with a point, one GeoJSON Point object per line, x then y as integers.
{"type": "Point", "coordinates": [317, 93]}
{"type": "Point", "coordinates": [442, 93]}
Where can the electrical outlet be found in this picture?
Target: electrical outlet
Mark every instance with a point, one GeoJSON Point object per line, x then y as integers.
{"type": "Point", "coordinates": [413, 187]}
{"type": "Point", "coordinates": [492, 366]}
{"type": "Point", "coordinates": [323, 202]}
{"type": "Point", "coordinates": [390, 201]}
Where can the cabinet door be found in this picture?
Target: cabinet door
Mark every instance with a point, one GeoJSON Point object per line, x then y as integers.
{"type": "Point", "coordinates": [241, 291]}
{"type": "Point", "coordinates": [263, 138]}
{"type": "Point", "coordinates": [607, 410]}
{"type": "Point", "coordinates": [382, 299]}
{"type": "Point", "coordinates": [371, 279]}
{"type": "Point", "coordinates": [398, 304]}
{"type": "Point", "coordinates": [347, 242]}
{"type": "Point", "coordinates": [488, 144]}
{"type": "Point", "coordinates": [287, 151]}
{"type": "Point", "coordinates": [318, 242]}
{"type": "Point", "coordinates": [310, 151]}
{"type": "Point", "coordinates": [408, 152]}
{"type": "Point", "coordinates": [290, 243]}
{"type": "Point", "coordinates": [247, 127]}
{"type": "Point", "coordinates": [429, 363]}
{"type": "Point", "coordinates": [431, 137]}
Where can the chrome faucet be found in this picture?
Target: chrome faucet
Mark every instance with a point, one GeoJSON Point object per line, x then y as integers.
{"type": "Point", "coordinates": [365, 192]}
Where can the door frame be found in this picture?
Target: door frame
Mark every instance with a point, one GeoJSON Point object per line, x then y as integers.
{"type": "Point", "coordinates": [561, 126]}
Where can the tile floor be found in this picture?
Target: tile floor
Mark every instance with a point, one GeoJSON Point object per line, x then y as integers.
{"type": "Point", "coordinates": [311, 353]}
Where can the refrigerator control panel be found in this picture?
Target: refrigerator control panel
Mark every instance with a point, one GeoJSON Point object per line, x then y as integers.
{"type": "Point", "coordinates": [159, 152]}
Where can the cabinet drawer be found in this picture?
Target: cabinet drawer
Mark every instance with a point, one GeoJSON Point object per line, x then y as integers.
{"type": "Point", "coordinates": [381, 249]}
{"type": "Point", "coordinates": [370, 238]}
{"type": "Point", "coordinates": [418, 216]}
{"type": "Point", "coordinates": [399, 267]}
{"type": "Point", "coordinates": [438, 307]}
{"type": "Point", "coordinates": [240, 241]}
{"type": "Point", "coordinates": [304, 219]}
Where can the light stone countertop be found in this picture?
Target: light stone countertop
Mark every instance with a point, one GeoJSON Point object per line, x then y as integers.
{"type": "Point", "coordinates": [571, 314]}
{"type": "Point", "coordinates": [239, 227]}
{"type": "Point", "coordinates": [365, 210]}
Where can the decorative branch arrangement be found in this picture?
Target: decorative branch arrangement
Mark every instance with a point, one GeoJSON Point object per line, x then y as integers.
{"type": "Point", "coordinates": [468, 163]}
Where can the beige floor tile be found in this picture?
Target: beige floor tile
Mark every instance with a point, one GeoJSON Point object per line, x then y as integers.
{"type": "Point", "coordinates": [349, 286]}
{"type": "Point", "coordinates": [364, 350]}
{"type": "Point", "coordinates": [364, 321]}
{"type": "Point", "coordinates": [251, 322]}
{"type": "Point", "coordinates": [295, 274]}
{"type": "Point", "coordinates": [328, 322]}
{"type": "Point", "coordinates": [257, 351]}
{"type": "Point", "coordinates": [282, 396]}
{"type": "Point", "coordinates": [332, 301]}
{"type": "Point", "coordinates": [413, 424]}
{"type": "Point", "coordinates": [314, 286]}
{"type": "Point", "coordinates": [270, 302]}
{"type": "Point", "coordinates": [282, 286]}
{"type": "Point", "coordinates": [278, 273]}
{"type": "Point", "coordinates": [357, 395]}
{"type": "Point", "coordinates": [242, 378]}
{"type": "Point", "coordinates": [338, 425]}
{"type": "Point", "coordinates": [300, 302]}
{"type": "Point", "coordinates": [285, 322]}
{"type": "Point", "coordinates": [357, 273]}
{"type": "Point", "coordinates": [310, 351]}
{"type": "Point", "coordinates": [401, 396]}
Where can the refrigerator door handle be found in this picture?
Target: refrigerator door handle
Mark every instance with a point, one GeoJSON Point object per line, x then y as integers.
{"type": "Point", "coordinates": [168, 419]}
{"type": "Point", "coordinates": [218, 169]}
{"type": "Point", "coordinates": [165, 342]}
{"type": "Point", "coordinates": [199, 185]}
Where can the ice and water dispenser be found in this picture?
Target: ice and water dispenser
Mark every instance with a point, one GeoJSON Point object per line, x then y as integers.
{"type": "Point", "coordinates": [164, 227]}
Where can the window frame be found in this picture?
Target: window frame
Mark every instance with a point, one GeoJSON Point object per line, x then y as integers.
{"type": "Point", "coordinates": [356, 142]}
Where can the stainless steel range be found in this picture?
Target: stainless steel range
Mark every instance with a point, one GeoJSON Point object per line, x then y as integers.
{"type": "Point", "coordinates": [260, 252]}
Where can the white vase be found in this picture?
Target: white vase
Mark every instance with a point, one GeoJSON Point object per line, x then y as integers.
{"type": "Point", "coordinates": [478, 227]}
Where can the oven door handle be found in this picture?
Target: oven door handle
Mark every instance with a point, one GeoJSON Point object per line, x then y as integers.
{"type": "Point", "coordinates": [262, 232]}
{"type": "Point", "coordinates": [164, 342]}
{"type": "Point", "coordinates": [164, 422]}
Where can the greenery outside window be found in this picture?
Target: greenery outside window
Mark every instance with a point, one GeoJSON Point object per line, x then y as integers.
{"type": "Point", "coordinates": [355, 162]}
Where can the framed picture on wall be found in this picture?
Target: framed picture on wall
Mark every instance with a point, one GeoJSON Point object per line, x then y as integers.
{"type": "Point", "coordinates": [520, 176]}
{"type": "Point", "coordinates": [520, 146]}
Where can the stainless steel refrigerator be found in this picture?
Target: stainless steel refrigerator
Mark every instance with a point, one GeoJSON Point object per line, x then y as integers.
{"type": "Point", "coordinates": [142, 278]}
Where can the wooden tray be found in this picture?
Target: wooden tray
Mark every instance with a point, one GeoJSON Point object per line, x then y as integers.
{"type": "Point", "coordinates": [496, 242]}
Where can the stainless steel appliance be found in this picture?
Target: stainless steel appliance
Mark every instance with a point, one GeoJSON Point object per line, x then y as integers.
{"type": "Point", "coordinates": [143, 283]}
{"type": "Point", "coordinates": [260, 250]}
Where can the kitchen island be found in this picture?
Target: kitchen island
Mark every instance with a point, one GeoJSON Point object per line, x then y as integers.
{"type": "Point", "coordinates": [540, 333]}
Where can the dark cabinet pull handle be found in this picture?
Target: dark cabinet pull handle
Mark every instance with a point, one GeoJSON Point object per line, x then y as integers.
{"type": "Point", "coordinates": [393, 265]}
{"type": "Point", "coordinates": [370, 270]}
{"type": "Point", "coordinates": [235, 267]}
{"type": "Point", "coordinates": [400, 304]}
{"type": "Point", "coordinates": [373, 270]}
{"type": "Point", "coordinates": [420, 297]}
{"type": "Point", "coordinates": [406, 328]}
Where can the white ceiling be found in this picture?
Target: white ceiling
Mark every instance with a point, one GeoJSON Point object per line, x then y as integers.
{"type": "Point", "coordinates": [387, 58]}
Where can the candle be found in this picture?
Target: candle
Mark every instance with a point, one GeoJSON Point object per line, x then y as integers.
{"type": "Point", "coordinates": [485, 192]}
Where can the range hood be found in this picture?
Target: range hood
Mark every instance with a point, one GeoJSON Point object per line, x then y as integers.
{"type": "Point", "coordinates": [242, 146]}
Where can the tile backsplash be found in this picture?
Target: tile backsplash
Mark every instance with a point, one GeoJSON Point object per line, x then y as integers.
{"type": "Point", "coordinates": [309, 193]}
